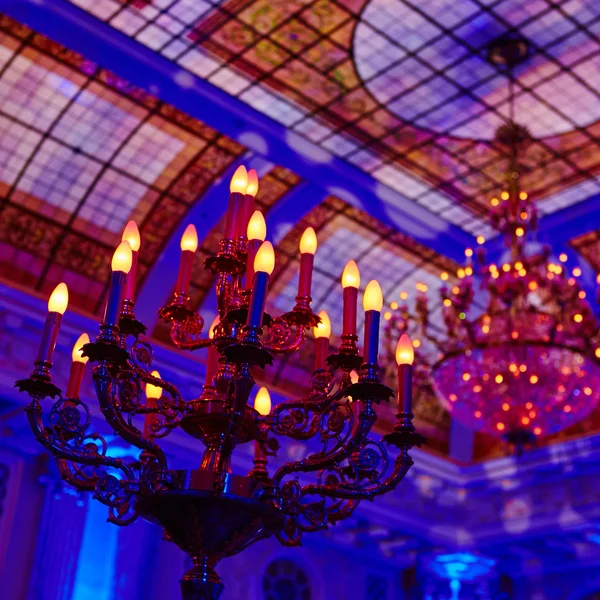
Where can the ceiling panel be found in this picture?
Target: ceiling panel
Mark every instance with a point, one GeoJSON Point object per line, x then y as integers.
{"type": "Point", "coordinates": [81, 153]}
{"type": "Point", "coordinates": [401, 89]}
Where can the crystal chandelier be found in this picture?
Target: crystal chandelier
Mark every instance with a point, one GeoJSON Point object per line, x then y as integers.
{"type": "Point", "coordinates": [518, 353]}
{"type": "Point", "coordinates": [213, 512]}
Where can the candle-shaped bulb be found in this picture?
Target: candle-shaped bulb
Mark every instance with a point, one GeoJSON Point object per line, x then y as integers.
{"type": "Point", "coordinates": [154, 391]}
{"type": "Point", "coordinates": [239, 181]}
{"type": "Point", "coordinates": [82, 340]}
{"type": "Point", "coordinates": [308, 241]}
{"type": "Point", "coordinates": [252, 185]}
{"type": "Point", "coordinates": [211, 331]}
{"type": "Point", "coordinates": [323, 329]}
{"type": "Point", "coordinates": [405, 354]}
{"type": "Point", "coordinates": [189, 239]}
{"type": "Point", "coordinates": [373, 298]}
{"type": "Point", "coordinates": [262, 402]}
{"type": "Point", "coordinates": [257, 228]}
{"type": "Point", "coordinates": [265, 258]}
{"type": "Point", "coordinates": [59, 299]}
{"type": "Point", "coordinates": [131, 234]}
{"type": "Point", "coordinates": [351, 275]}
{"type": "Point", "coordinates": [122, 258]}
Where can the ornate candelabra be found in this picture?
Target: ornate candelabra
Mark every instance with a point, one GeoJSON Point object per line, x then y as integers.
{"type": "Point", "coordinates": [212, 512]}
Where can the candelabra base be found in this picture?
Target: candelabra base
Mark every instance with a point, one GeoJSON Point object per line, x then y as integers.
{"type": "Point", "coordinates": [210, 518]}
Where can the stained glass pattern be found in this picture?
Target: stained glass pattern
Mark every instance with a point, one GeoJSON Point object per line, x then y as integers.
{"type": "Point", "coordinates": [81, 153]}
{"type": "Point", "coordinates": [399, 88]}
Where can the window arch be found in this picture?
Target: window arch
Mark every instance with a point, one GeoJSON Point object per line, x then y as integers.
{"type": "Point", "coordinates": [283, 579]}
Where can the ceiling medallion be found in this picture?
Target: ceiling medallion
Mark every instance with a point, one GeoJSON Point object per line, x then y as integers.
{"type": "Point", "coordinates": [519, 356]}
{"type": "Point", "coordinates": [215, 511]}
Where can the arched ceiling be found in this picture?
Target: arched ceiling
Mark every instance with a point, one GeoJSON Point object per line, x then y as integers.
{"type": "Point", "coordinates": [399, 88]}
{"type": "Point", "coordinates": [82, 151]}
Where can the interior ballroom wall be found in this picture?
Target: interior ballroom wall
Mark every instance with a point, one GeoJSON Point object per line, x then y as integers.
{"type": "Point", "coordinates": [55, 544]}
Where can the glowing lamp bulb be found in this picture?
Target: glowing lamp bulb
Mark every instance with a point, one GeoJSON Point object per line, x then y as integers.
{"type": "Point", "coordinates": [211, 331]}
{"type": "Point", "coordinates": [154, 391]}
{"type": "Point", "coordinates": [189, 239]}
{"type": "Point", "coordinates": [131, 234]}
{"type": "Point", "coordinates": [373, 298]}
{"type": "Point", "coordinates": [257, 228]}
{"type": "Point", "coordinates": [252, 186]}
{"type": "Point", "coordinates": [239, 181]}
{"type": "Point", "coordinates": [308, 241]}
{"type": "Point", "coordinates": [82, 340]}
{"type": "Point", "coordinates": [59, 299]}
{"type": "Point", "coordinates": [323, 329]}
{"type": "Point", "coordinates": [265, 258]}
{"type": "Point", "coordinates": [122, 258]}
{"type": "Point", "coordinates": [351, 275]}
{"type": "Point", "coordinates": [262, 402]}
{"type": "Point", "coordinates": [405, 354]}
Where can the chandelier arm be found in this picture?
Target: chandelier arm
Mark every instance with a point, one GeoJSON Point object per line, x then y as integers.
{"type": "Point", "coordinates": [70, 461]}
{"type": "Point", "coordinates": [75, 477]}
{"type": "Point", "coordinates": [104, 384]}
{"type": "Point", "coordinates": [295, 423]}
{"type": "Point", "coordinates": [340, 451]}
{"type": "Point", "coordinates": [185, 334]}
{"type": "Point", "coordinates": [171, 408]}
{"type": "Point", "coordinates": [342, 510]}
{"type": "Point", "coordinates": [289, 542]}
{"type": "Point", "coordinates": [402, 465]}
{"type": "Point", "coordinates": [284, 338]}
{"type": "Point", "coordinates": [50, 439]}
{"type": "Point", "coordinates": [178, 404]}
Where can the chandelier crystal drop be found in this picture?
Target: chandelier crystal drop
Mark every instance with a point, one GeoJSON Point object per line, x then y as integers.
{"type": "Point", "coordinates": [215, 511]}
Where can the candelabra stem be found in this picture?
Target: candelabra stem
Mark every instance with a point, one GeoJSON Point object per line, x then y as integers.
{"type": "Point", "coordinates": [201, 582]}
{"type": "Point", "coordinates": [259, 472]}
{"type": "Point", "coordinates": [214, 459]}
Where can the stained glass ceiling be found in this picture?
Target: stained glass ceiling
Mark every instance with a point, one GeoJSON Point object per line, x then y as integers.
{"type": "Point", "coordinates": [399, 88]}
{"type": "Point", "coordinates": [81, 153]}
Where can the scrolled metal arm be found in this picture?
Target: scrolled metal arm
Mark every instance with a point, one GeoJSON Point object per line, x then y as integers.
{"type": "Point", "coordinates": [50, 439]}
{"type": "Point", "coordinates": [402, 465]}
{"type": "Point", "coordinates": [299, 419]}
{"type": "Point", "coordinates": [344, 447]}
{"type": "Point", "coordinates": [186, 334]}
{"type": "Point", "coordinates": [72, 461]}
{"type": "Point", "coordinates": [104, 384]}
{"type": "Point", "coordinates": [284, 338]}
